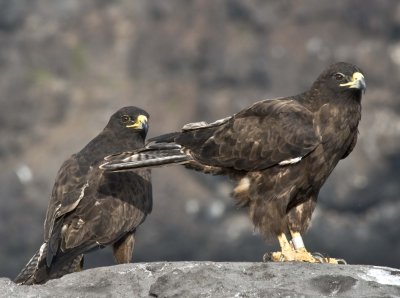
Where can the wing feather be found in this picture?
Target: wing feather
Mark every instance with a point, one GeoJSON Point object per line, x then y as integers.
{"type": "Point", "coordinates": [115, 204]}
{"type": "Point", "coordinates": [69, 183]}
{"type": "Point", "coordinates": [267, 133]}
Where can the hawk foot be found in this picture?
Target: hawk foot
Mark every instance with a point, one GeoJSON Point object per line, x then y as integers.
{"type": "Point", "coordinates": [300, 255]}
{"type": "Point", "coordinates": [327, 259]}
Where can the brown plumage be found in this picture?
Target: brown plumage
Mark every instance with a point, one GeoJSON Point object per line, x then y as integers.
{"type": "Point", "coordinates": [279, 151]}
{"type": "Point", "coordinates": [90, 209]}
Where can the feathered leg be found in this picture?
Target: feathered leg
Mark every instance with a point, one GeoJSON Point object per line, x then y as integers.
{"type": "Point", "coordinates": [123, 248]}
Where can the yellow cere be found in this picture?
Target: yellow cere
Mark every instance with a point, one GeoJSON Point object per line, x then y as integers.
{"type": "Point", "coordinates": [138, 123]}
{"type": "Point", "coordinates": [355, 82]}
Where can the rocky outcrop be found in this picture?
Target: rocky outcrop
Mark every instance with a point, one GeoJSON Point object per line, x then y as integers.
{"type": "Point", "coordinates": [210, 279]}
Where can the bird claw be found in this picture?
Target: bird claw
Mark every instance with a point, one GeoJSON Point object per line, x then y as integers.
{"type": "Point", "coordinates": [277, 257]}
{"type": "Point", "coordinates": [267, 257]}
{"type": "Point", "coordinates": [328, 260]}
{"type": "Point", "coordinates": [300, 255]}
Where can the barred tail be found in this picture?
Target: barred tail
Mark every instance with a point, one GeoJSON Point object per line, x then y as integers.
{"type": "Point", "coordinates": [73, 265]}
{"type": "Point", "coordinates": [37, 272]}
{"type": "Point", "coordinates": [27, 274]}
{"type": "Point", "coordinates": [153, 155]}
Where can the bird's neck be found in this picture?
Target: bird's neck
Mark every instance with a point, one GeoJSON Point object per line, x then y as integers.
{"type": "Point", "coordinates": [310, 100]}
{"type": "Point", "coordinates": [314, 99]}
{"type": "Point", "coordinates": [108, 142]}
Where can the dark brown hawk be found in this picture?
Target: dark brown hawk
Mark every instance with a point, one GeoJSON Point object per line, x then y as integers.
{"type": "Point", "coordinates": [280, 152]}
{"type": "Point", "coordinates": [90, 209]}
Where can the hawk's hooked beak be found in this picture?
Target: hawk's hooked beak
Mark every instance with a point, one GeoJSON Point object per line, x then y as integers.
{"type": "Point", "coordinates": [141, 123]}
{"type": "Point", "coordinates": [357, 82]}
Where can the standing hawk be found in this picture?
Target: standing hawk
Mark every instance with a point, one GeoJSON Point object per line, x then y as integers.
{"type": "Point", "coordinates": [279, 151]}
{"type": "Point", "coordinates": [90, 209]}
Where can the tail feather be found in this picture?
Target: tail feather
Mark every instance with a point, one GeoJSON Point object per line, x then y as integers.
{"type": "Point", "coordinates": [37, 272]}
{"type": "Point", "coordinates": [153, 155]}
{"type": "Point", "coordinates": [27, 274]}
{"type": "Point", "coordinates": [73, 265]}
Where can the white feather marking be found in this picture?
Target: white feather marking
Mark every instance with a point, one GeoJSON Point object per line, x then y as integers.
{"type": "Point", "coordinates": [290, 161]}
{"type": "Point", "coordinates": [194, 125]}
{"type": "Point", "coordinates": [64, 229]}
{"type": "Point", "coordinates": [42, 247]}
{"type": "Point", "coordinates": [83, 191]}
{"type": "Point", "coordinates": [220, 120]}
{"type": "Point", "coordinates": [203, 124]}
{"type": "Point", "coordinates": [243, 185]}
{"type": "Point", "coordinates": [57, 210]}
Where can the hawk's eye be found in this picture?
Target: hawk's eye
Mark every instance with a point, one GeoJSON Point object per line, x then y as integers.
{"type": "Point", "coordinates": [125, 118]}
{"type": "Point", "coordinates": [339, 76]}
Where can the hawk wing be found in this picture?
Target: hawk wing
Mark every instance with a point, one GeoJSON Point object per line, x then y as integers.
{"type": "Point", "coordinates": [68, 190]}
{"type": "Point", "coordinates": [115, 204]}
{"type": "Point", "coordinates": [268, 133]}
{"type": "Point", "coordinates": [68, 185]}
{"type": "Point", "coordinates": [102, 208]}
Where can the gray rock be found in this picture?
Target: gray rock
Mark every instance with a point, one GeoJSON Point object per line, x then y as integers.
{"type": "Point", "coordinates": [210, 279]}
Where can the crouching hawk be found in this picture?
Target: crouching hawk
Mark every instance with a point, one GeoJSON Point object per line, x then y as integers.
{"type": "Point", "coordinates": [90, 209]}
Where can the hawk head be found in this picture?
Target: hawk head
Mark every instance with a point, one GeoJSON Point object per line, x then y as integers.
{"type": "Point", "coordinates": [342, 78]}
{"type": "Point", "coordinates": [130, 119]}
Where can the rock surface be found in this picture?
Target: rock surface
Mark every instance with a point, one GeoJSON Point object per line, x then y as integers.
{"type": "Point", "coordinates": [67, 65]}
{"type": "Point", "coordinates": [211, 279]}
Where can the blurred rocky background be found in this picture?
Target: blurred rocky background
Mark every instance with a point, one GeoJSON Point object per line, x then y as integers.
{"type": "Point", "coordinates": [67, 65]}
